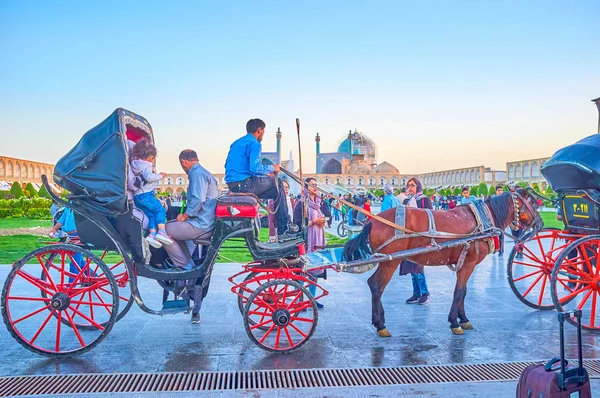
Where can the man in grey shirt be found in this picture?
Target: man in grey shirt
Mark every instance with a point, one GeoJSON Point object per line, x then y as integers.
{"type": "Point", "coordinates": [199, 217]}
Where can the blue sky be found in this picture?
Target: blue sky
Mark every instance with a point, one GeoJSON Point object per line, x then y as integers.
{"type": "Point", "coordinates": [437, 84]}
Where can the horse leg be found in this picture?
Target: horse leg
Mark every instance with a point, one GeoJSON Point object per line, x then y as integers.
{"type": "Point", "coordinates": [377, 283]}
{"type": "Point", "coordinates": [460, 290]}
{"type": "Point", "coordinates": [466, 271]}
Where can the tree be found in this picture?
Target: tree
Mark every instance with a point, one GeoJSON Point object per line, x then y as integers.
{"type": "Point", "coordinates": [473, 191]}
{"type": "Point", "coordinates": [44, 192]}
{"type": "Point", "coordinates": [456, 191]}
{"type": "Point", "coordinates": [32, 192]}
{"type": "Point", "coordinates": [536, 188]}
{"type": "Point", "coordinates": [482, 189]}
{"type": "Point", "coordinates": [492, 191]}
{"type": "Point", "coordinates": [16, 190]}
{"type": "Point", "coordinates": [522, 184]}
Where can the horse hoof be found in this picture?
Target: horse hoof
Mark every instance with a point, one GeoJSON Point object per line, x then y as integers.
{"type": "Point", "coordinates": [466, 326]}
{"type": "Point", "coordinates": [384, 333]}
{"type": "Point", "coordinates": [457, 330]}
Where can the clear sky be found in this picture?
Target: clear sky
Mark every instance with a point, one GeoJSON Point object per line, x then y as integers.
{"type": "Point", "coordinates": [437, 84]}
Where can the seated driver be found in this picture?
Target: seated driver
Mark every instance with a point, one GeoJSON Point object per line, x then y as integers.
{"type": "Point", "coordinates": [199, 216]}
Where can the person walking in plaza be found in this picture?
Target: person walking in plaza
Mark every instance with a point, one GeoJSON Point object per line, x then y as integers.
{"type": "Point", "coordinates": [417, 272]}
{"type": "Point", "coordinates": [402, 195]}
{"type": "Point", "coordinates": [500, 191]}
{"type": "Point", "coordinates": [244, 172]}
{"type": "Point", "coordinates": [389, 200]}
{"type": "Point", "coordinates": [316, 226]}
{"type": "Point", "coordinates": [466, 196]}
{"type": "Point", "coordinates": [197, 220]}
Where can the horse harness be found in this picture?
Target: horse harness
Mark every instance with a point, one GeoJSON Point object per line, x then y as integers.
{"type": "Point", "coordinates": [484, 220]}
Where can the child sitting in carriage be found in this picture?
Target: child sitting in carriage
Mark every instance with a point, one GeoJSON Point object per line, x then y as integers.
{"type": "Point", "coordinates": [147, 180]}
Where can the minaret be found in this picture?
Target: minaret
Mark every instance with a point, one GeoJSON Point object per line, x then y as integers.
{"type": "Point", "coordinates": [291, 162]}
{"type": "Point", "coordinates": [597, 102]}
{"type": "Point", "coordinates": [350, 141]}
{"type": "Point", "coordinates": [318, 141]}
{"type": "Point", "coordinates": [278, 135]}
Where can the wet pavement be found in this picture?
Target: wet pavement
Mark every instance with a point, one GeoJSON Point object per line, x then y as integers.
{"type": "Point", "coordinates": [505, 330]}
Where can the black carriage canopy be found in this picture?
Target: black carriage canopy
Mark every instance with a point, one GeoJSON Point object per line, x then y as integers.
{"type": "Point", "coordinates": [96, 169]}
{"type": "Point", "coordinates": [576, 166]}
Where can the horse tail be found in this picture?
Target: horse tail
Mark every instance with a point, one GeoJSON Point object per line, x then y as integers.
{"type": "Point", "coordinates": [358, 247]}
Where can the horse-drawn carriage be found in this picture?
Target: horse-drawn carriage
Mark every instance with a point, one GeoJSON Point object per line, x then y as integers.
{"type": "Point", "coordinates": [63, 299]}
{"type": "Point", "coordinates": [556, 268]}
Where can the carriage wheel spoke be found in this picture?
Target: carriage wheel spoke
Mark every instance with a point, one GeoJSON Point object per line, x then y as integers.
{"type": "Point", "coordinates": [97, 285]}
{"type": "Point", "coordinates": [298, 330]}
{"type": "Point", "coordinates": [32, 314]}
{"type": "Point", "coordinates": [278, 336]}
{"type": "Point", "coordinates": [258, 325]}
{"type": "Point", "coordinates": [42, 327]}
{"type": "Point", "coordinates": [74, 326]}
{"type": "Point", "coordinates": [36, 282]}
{"type": "Point", "coordinates": [94, 323]}
{"type": "Point", "coordinates": [533, 257]}
{"type": "Point", "coordinates": [45, 299]}
{"type": "Point", "coordinates": [126, 299]}
{"type": "Point", "coordinates": [587, 296]}
{"type": "Point", "coordinates": [593, 311]}
{"type": "Point", "coordinates": [57, 348]}
{"type": "Point", "coordinates": [539, 242]}
{"type": "Point", "coordinates": [79, 275]}
{"type": "Point", "coordinates": [541, 297]}
{"type": "Point", "coordinates": [103, 302]}
{"type": "Point", "coordinates": [295, 318]}
{"type": "Point", "coordinates": [533, 285]}
{"type": "Point", "coordinates": [106, 305]}
{"type": "Point", "coordinates": [62, 270]}
{"type": "Point", "coordinates": [289, 338]}
{"type": "Point", "coordinates": [529, 265]}
{"type": "Point", "coordinates": [526, 276]}
{"type": "Point", "coordinates": [575, 293]}
{"type": "Point", "coordinates": [267, 333]}
{"type": "Point", "coordinates": [116, 265]}
{"type": "Point", "coordinates": [45, 271]}
{"type": "Point", "coordinates": [258, 313]}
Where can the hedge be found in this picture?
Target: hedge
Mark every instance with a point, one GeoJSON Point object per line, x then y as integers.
{"type": "Point", "coordinates": [35, 208]}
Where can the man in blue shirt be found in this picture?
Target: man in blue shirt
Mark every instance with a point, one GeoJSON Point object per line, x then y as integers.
{"type": "Point", "coordinates": [389, 200]}
{"type": "Point", "coordinates": [244, 172]}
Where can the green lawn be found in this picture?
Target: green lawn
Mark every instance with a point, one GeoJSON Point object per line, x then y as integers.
{"type": "Point", "coordinates": [550, 220]}
{"type": "Point", "coordinates": [14, 247]}
{"type": "Point", "coordinates": [12, 223]}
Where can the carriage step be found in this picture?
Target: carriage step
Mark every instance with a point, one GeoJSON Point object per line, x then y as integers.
{"type": "Point", "coordinates": [174, 307]}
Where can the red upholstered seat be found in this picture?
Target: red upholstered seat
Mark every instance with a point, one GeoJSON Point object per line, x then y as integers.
{"type": "Point", "coordinates": [237, 206]}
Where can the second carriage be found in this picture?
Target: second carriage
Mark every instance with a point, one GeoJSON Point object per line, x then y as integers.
{"type": "Point", "coordinates": [558, 268]}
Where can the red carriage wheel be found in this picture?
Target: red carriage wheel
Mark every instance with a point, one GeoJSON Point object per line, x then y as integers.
{"type": "Point", "coordinates": [530, 264]}
{"type": "Point", "coordinates": [576, 278]}
{"type": "Point", "coordinates": [117, 267]}
{"type": "Point", "coordinates": [286, 309]}
{"type": "Point", "coordinates": [86, 298]}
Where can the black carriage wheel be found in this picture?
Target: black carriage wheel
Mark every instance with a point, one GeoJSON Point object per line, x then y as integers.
{"type": "Point", "coordinates": [341, 230]}
{"type": "Point", "coordinates": [37, 322]}
{"type": "Point", "coordinates": [291, 317]}
{"type": "Point", "coordinates": [529, 277]}
{"type": "Point", "coordinates": [576, 275]}
{"type": "Point", "coordinates": [125, 298]}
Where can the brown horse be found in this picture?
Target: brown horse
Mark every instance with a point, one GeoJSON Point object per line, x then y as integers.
{"type": "Point", "coordinates": [460, 220]}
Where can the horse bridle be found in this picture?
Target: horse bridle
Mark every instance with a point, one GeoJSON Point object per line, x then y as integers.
{"type": "Point", "coordinates": [516, 224]}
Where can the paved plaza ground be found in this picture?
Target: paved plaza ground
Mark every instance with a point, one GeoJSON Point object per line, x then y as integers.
{"type": "Point", "coordinates": [505, 330]}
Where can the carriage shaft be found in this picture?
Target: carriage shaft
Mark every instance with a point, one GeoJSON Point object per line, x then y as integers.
{"type": "Point", "coordinates": [380, 257]}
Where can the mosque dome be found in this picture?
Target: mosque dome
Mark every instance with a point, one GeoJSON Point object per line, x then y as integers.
{"type": "Point", "coordinates": [358, 143]}
{"type": "Point", "coordinates": [386, 168]}
{"type": "Point", "coordinates": [360, 168]}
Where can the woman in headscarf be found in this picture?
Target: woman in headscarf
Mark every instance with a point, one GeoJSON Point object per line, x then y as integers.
{"type": "Point", "coordinates": [416, 199]}
{"type": "Point", "coordinates": [315, 221]}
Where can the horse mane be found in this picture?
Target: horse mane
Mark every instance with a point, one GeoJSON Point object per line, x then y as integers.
{"type": "Point", "coordinates": [358, 248]}
{"type": "Point", "coordinates": [501, 207]}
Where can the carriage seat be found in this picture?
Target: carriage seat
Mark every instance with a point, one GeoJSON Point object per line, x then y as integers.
{"type": "Point", "coordinates": [237, 206]}
{"type": "Point", "coordinates": [204, 239]}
